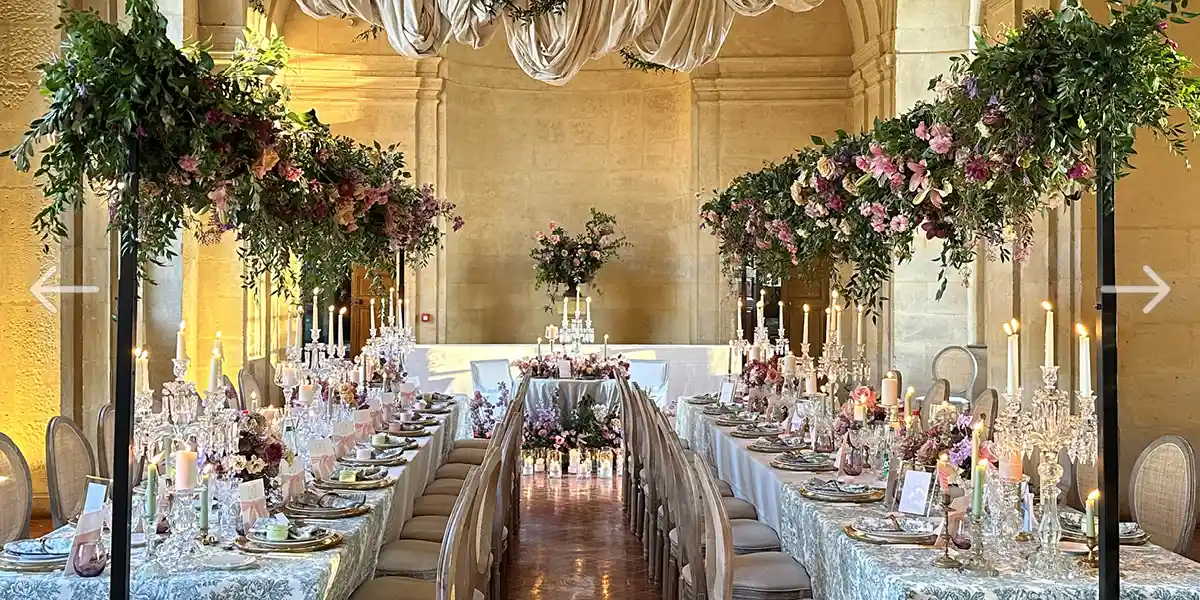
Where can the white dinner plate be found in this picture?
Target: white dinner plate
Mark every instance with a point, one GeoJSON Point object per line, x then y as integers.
{"type": "Point", "coordinates": [228, 561]}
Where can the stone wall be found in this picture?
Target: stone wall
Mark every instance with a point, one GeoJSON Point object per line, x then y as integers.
{"type": "Point", "coordinates": [515, 154]}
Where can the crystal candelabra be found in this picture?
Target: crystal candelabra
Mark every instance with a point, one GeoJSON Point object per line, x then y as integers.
{"type": "Point", "coordinates": [390, 349]}
{"type": "Point", "coordinates": [789, 393]}
{"type": "Point", "coordinates": [977, 562]}
{"type": "Point", "coordinates": [740, 346]}
{"type": "Point", "coordinates": [858, 368]}
{"type": "Point", "coordinates": [576, 332]}
{"type": "Point", "coordinates": [1047, 428]}
{"type": "Point", "coordinates": [184, 541]}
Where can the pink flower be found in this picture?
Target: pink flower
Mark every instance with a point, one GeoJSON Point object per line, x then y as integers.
{"type": "Point", "coordinates": [881, 163]}
{"type": "Point", "coordinates": [940, 139]}
{"type": "Point", "coordinates": [899, 223]}
{"type": "Point", "coordinates": [554, 239]}
{"type": "Point", "coordinates": [862, 163]}
{"type": "Point", "coordinates": [539, 236]}
{"type": "Point", "coordinates": [920, 177]}
{"type": "Point", "coordinates": [922, 133]}
{"type": "Point", "coordinates": [897, 181]}
{"type": "Point", "coordinates": [1079, 170]}
{"type": "Point", "coordinates": [879, 225]}
{"type": "Point", "coordinates": [595, 254]}
{"type": "Point", "coordinates": [553, 225]}
{"type": "Point", "coordinates": [220, 199]}
{"type": "Point", "coordinates": [576, 261]}
{"type": "Point", "coordinates": [189, 163]}
{"type": "Point", "coordinates": [291, 172]}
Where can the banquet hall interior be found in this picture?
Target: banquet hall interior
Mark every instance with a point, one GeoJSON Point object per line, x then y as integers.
{"type": "Point", "coordinates": [566, 299]}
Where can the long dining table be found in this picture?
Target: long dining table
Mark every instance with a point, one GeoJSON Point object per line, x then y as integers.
{"type": "Point", "coordinates": [842, 568]}
{"type": "Point", "coordinates": [325, 575]}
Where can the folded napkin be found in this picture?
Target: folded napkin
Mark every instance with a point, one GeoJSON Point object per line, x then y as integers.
{"type": "Point", "coordinates": [253, 503]}
{"type": "Point", "coordinates": [343, 437]}
{"type": "Point", "coordinates": [364, 425]}
{"type": "Point", "coordinates": [291, 476]}
{"type": "Point", "coordinates": [320, 454]}
{"type": "Point", "coordinates": [88, 530]}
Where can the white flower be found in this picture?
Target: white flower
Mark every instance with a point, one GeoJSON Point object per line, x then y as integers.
{"type": "Point", "coordinates": [797, 190]}
{"type": "Point", "coordinates": [846, 227]}
{"type": "Point", "coordinates": [825, 166]}
{"type": "Point", "coordinates": [802, 233]}
{"type": "Point", "coordinates": [982, 129]}
{"type": "Point", "coordinates": [255, 466]}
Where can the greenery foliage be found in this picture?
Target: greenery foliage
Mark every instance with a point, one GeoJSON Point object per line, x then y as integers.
{"type": "Point", "coordinates": [216, 151]}
{"type": "Point", "coordinates": [1010, 136]}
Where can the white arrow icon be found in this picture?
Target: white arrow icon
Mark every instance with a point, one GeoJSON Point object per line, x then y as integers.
{"type": "Point", "coordinates": [40, 289]}
{"type": "Point", "coordinates": [1160, 289]}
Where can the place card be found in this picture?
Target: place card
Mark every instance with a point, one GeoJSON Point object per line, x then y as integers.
{"type": "Point", "coordinates": [726, 396]}
{"type": "Point", "coordinates": [95, 494]}
{"type": "Point", "coordinates": [291, 478]}
{"type": "Point", "coordinates": [342, 434]}
{"type": "Point", "coordinates": [320, 452]}
{"type": "Point", "coordinates": [364, 424]}
{"type": "Point", "coordinates": [253, 502]}
{"type": "Point", "coordinates": [564, 369]}
{"type": "Point", "coordinates": [916, 493]}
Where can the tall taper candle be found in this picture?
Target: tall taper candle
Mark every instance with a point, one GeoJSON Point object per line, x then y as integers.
{"type": "Point", "coordinates": [299, 326]}
{"type": "Point", "coordinates": [214, 372]}
{"type": "Point", "coordinates": [762, 318]}
{"type": "Point", "coordinates": [1016, 328]}
{"type": "Point", "coordinates": [738, 318]}
{"type": "Point", "coordinates": [566, 309]}
{"type": "Point", "coordinates": [396, 275]}
{"type": "Point", "coordinates": [606, 345]}
{"type": "Point", "coordinates": [181, 342]}
{"type": "Point", "coordinates": [1085, 361]}
{"type": "Point", "coordinates": [577, 302]}
{"type": "Point", "coordinates": [219, 347]}
{"type": "Point", "coordinates": [1089, 515]}
{"type": "Point", "coordinates": [392, 308]}
{"type": "Point", "coordinates": [1011, 383]}
{"type": "Point", "coordinates": [342, 332]}
{"type": "Point", "coordinates": [589, 311]}
{"type": "Point", "coordinates": [828, 324]}
{"type": "Point", "coordinates": [839, 309]}
{"type": "Point", "coordinates": [1049, 362]}
{"type": "Point", "coordinates": [804, 334]}
{"type": "Point", "coordinates": [977, 482]}
{"type": "Point", "coordinates": [539, 347]}
{"type": "Point", "coordinates": [400, 301]}
{"type": "Point", "coordinates": [316, 325]}
{"type": "Point", "coordinates": [205, 502]}
{"type": "Point", "coordinates": [151, 509]}
{"type": "Point", "coordinates": [372, 316]}
{"type": "Point", "coordinates": [858, 339]}
{"type": "Point", "coordinates": [781, 317]}
{"type": "Point", "coordinates": [329, 351]}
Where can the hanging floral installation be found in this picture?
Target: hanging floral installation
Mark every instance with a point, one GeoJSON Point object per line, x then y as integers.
{"type": "Point", "coordinates": [216, 151]}
{"type": "Point", "coordinates": [562, 261]}
{"type": "Point", "coordinates": [1009, 137]}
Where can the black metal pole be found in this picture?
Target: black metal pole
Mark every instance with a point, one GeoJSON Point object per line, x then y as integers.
{"type": "Point", "coordinates": [1109, 456]}
{"type": "Point", "coordinates": [127, 292]}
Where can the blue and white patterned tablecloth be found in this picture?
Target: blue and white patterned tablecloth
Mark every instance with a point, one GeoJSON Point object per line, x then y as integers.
{"type": "Point", "coordinates": [329, 575]}
{"type": "Point", "coordinates": [845, 569]}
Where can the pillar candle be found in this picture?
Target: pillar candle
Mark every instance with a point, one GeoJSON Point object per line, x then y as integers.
{"type": "Point", "coordinates": [306, 394]}
{"type": "Point", "coordinates": [789, 364]}
{"type": "Point", "coordinates": [1085, 361]}
{"type": "Point", "coordinates": [1011, 467]}
{"type": "Point", "coordinates": [860, 412]}
{"type": "Point", "coordinates": [804, 334]}
{"type": "Point", "coordinates": [329, 333]}
{"type": "Point", "coordinates": [372, 316]}
{"type": "Point", "coordinates": [181, 343]}
{"type": "Point", "coordinates": [185, 470]}
{"type": "Point", "coordinates": [810, 385]}
{"type": "Point", "coordinates": [889, 390]}
{"type": "Point", "coordinates": [1049, 362]}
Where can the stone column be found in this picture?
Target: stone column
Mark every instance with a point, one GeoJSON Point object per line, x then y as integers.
{"type": "Point", "coordinates": [29, 333]}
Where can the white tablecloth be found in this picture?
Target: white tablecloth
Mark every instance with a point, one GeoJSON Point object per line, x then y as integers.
{"type": "Point", "coordinates": [329, 575]}
{"type": "Point", "coordinates": [845, 569]}
{"type": "Point", "coordinates": [542, 393]}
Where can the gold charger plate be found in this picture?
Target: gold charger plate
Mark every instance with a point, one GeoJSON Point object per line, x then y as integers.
{"type": "Point", "coordinates": [369, 484]}
{"type": "Point", "coordinates": [855, 534]}
{"type": "Point", "coordinates": [43, 567]}
{"type": "Point", "coordinates": [325, 513]}
{"type": "Point", "coordinates": [865, 498]}
{"type": "Point", "coordinates": [753, 435]}
{"type": "Point", "coordinates": [775, 449]}
{"type": "Point", "coordinates": [430, 422]}
{"type": "Point", "coordinates": [698, 401]}
{"type": "Point", "coordinates": [803, 468]}
{"type": "Point", "coordinates": [733, 422]}
{"type": "Point", "coordinates": [374, 462]}
{"type": "Point", "coordinates": [325, 543]}
{"type": "Point", "coordinates": [410, 434]}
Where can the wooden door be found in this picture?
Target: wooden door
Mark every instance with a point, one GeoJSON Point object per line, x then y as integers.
{"type": "Point", "coordinates": [796, 292]}
{"type": "Point", "coordinates": [361, 293]}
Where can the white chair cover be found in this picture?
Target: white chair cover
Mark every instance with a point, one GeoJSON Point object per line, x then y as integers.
{"type": "Point", "coordinates": [487, 375]}
{"type": "Point", "coordinates": [651, 376]}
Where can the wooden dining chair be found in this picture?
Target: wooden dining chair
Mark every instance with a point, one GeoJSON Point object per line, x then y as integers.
{"type": "Point", "coordinates": [1162, 492]}
{"type": "Point", "coordinates": [106, 422]}
{"type": "Point", "coordinates": [69, 460]}
{"type": "Point", "coordinates": [16, 488]}
{"type": "Point", "coordinates": [250, 392]}
{"type": "Point", "coordinates": [984, 408]}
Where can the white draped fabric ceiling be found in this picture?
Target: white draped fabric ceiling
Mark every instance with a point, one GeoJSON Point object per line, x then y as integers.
{"type": "Point", "coordinates": [680, 34]}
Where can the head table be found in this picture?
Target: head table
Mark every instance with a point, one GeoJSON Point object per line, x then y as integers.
{"type": "Point", "coordinates": [328, 575]}
{"type": "Point", "coordinates": [846, 569]}
{"type": "Point", "coordinates": [565, 394]}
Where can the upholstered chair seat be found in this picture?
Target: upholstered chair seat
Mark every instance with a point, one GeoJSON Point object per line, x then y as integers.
{"type": "Point", "coordinates": [429, 528]}
{"type": "Point", "coordinates": [444, 487]}
{"type": "Point", "coordinates": [749, 537]}
{"type": "Point", "coordinates": [471, 456]}
{"type": "Point", "coordinates": [476, 443]}
{"type": "Point", "coordinates": [764, 576]}
{"type": "Point", "coordinates": [453, 471]}
{"type": "Point", "coordinates": [395, 588]}
{"type": "Point", "coordinates": [737, 508]}
{"type": "Point", "coordinates": [435, 505]}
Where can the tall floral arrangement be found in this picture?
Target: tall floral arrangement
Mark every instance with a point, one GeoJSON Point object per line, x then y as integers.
{"type": "Point", "coordinates": [562, 261]}
{"type": "Point", "coordinates": [1010, 136]}
{"type": "Point", "coordinates": [485, 414]}
{"type": "Point", "coordinates": [216, 151]}
{"type": "Point", "coordinates": [543, 427]}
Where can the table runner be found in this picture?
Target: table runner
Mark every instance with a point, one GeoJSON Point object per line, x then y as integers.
{"type": "Point", "coordinates": [329, 575]}
{"type": "Point", "coordinates": [845, 569]}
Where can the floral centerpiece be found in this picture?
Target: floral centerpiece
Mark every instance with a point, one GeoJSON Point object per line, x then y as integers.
{"type": "Point", "coordinates": [873, 412]}
{"type": "Point", "coordinates": [543, 427]}
{"type": "Point", "coordinates": [949, 434]}
{"type": "Point", "coordinates": [485, 414]}
{"type": "Point", "coordinates": [585, 366]}
{"type": "Point", "coordinates": [759, 373]}
{"type": "Point", "coordinates": [562, 261]}
{"type": "Point", "coordinates": [258, 454]}
{"type": "Point", "coordinates": [595, 429]}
